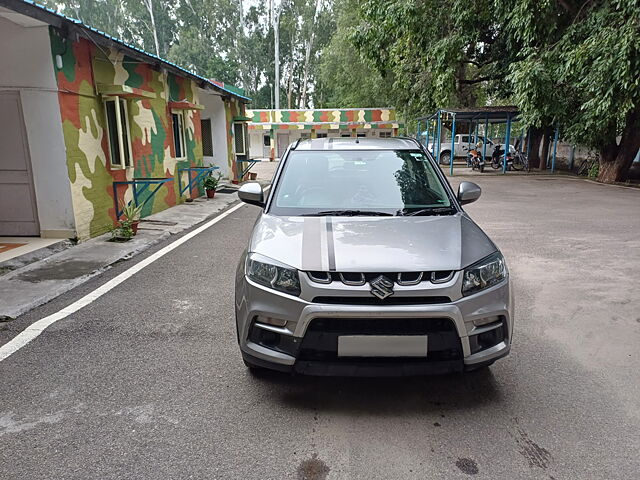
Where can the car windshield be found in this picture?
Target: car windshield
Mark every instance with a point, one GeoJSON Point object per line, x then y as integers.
{"type": "Point", "coordinates": [362, 182]}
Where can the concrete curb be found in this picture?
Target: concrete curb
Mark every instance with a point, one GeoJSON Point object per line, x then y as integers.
{"type": "Point", "coordinates": [39, 282]}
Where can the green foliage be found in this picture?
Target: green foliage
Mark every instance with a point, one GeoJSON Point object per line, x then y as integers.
{"type": "Point", "coordinates": [123, 231]}
{"type": "Point", "coordinates": [131, 212]}
{"type": "Point", "coordinates": [193, 51]}
{"type": "Point", "coordinates": [128, 20]}
{"type": "Point", "coordinates": [345, 78]}
{"type": "Point", "coordinates": [581, 68]}
{"type": "Point", "coordinates": [433, 53]}
{"type": "Point", "coordinates": [594, 170]}
{"type": "Point", "coordinates": [210, 182]}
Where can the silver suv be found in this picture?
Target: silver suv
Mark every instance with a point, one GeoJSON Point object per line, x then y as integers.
{"type": "Point", "coordinates": [363, 262]}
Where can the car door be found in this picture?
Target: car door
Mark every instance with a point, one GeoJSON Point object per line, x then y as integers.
{"type": "Point", "coordinates": [462, 145]}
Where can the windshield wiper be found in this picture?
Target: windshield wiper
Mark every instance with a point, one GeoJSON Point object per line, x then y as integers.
{"type": "Point", "coordinates": [349, 213]}
{"type": "Point", "coordinates": [428, 211]}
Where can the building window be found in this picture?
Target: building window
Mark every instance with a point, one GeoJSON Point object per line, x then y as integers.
{"type": "Point", "coordinates": [179, 138]}
{"type": "Point", "coordinates": [239, 138]}
{"type": "Point", "coordinates": [266, 140]}
{"type": "Point", "coordinates": [118, 132]}
{"type": "Point", "coordinates": [361, 135]}
{"type": "Point", "coordinates": [384, 134]}
{"type": "Point", "coordinates": [207, 141]}
{"type": "Point", "coordinates": [305, 135]}
{"type": "Point", "coordinates": [345, 134]}
{"type": "Point", "coordinates": [321, 135]}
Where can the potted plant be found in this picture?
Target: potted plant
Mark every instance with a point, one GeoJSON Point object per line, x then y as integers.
{"type": "Point", "coordinates": [210, 183]}
{"type": "Point", "coordinates": [123, 232]}
{"type": "Point", "coordinates": [131, 214]}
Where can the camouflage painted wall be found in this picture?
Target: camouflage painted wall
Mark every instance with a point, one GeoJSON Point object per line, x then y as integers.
{"type": "Point", "coordinates": [329, 118]}
{"type": "Point", "coordinates": [87, 70]}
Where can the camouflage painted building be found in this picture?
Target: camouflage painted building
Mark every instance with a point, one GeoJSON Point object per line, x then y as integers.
{"type": "Point", "coordinates": [271, 131]}
{"type": "Point", "coordinates": [90, 123]}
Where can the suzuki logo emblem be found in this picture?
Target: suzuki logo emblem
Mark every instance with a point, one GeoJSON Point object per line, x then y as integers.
{"type": "Point", "coordinates": [381, 287]}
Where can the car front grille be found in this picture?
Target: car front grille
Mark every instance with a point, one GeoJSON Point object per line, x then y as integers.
{"type": "Point", "coordinates": [399, 278]}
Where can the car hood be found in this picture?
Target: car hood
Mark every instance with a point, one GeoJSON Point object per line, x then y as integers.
{"type": "Point", "coordinates": [371, 244]}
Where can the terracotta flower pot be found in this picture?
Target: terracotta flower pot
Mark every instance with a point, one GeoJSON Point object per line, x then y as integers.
{"type": "Point", "coordinates": [134, 227]}
{"type": "Point", "coordinates": [211, 193]}
{"type": "Point", "coordinates": [253, 175]}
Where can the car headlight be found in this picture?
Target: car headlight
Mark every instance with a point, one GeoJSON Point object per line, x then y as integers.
{"type": "Point", "coordinates": [483, 274]}
{"type": "Point", "coordinates": [272, 274]}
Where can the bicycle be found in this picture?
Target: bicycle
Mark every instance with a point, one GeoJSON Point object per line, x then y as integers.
{"type": "Point", "coordinates": [521, 161]}
{"type": "Point", "coordinates": [587, 164]}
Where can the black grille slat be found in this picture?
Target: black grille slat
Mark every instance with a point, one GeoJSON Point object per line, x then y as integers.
{"type": "Point", "coordinates": [320, 342]}
{"type": "Point", "coordinates": [392, 300]}
{"type": "Point", "coordinates": [381, 326]}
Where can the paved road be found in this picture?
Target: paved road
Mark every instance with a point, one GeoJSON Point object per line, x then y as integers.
{"type": "Point", "coordinates": [146, 382]}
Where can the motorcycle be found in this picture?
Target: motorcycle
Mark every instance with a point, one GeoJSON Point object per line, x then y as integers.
{"type": "Point", "coordinates": [475, 160]}
{"type": "Point", "coordinates": [497, 158]}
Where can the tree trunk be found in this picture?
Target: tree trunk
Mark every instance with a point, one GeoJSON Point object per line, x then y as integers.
{"type": "Point", "coordinates": [615, 160]}
{"type": "Point", "coordinates": [275, 15]}
{"type": "Point", "coordinates": [290, 90]}
{"type": "Point", "coordinates": [546, 143]}
{"type": "Point", "coordinates": [154, 30]}
{"type": "Point", "coordinates": [307, 56]}
{"type": "Point", "coordinates": [534, 146]}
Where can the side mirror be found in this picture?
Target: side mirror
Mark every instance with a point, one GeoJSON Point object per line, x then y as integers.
{"type": "Point", "coordinates": [252, 194]}
{"type": "Point", "coordinates": [468, 192]}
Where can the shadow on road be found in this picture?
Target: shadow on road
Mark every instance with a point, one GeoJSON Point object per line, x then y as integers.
{"type": "Point", "coordinates": [373, 396]}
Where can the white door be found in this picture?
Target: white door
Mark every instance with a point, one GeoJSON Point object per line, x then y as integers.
{"type": "Point", "coordinates": [283, 143]}
{"type": "Point", "coordinates": [266, 145]}
{"type": "Point", "coordinates": [18, 214]}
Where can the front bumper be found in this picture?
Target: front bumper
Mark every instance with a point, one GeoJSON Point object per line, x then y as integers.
{"type": "Point", "coordinates": [292, 353]}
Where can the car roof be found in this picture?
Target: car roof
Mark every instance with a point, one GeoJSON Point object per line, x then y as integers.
{"type": "Point", "coordinates": [353, 143]}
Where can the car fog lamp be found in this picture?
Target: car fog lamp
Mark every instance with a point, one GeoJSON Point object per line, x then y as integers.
{"type": "Point", "coordinates": [485, 321]}
{"type": "Point", "coordinates": [276, 322]}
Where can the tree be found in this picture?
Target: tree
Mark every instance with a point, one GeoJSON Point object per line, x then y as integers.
{"type": "Point", "coordinates": [148, 25]}
{"type": "Point", "coordinates": [345, 79]}
{"type": "Point", "coordinates": [438, 53]}
{"type": "Point", "coordinates": [276, 11]}
{"type": "Point", "coordinates": [220, 39]}
{"type": "Point", "coordinates": [152, 26]}
{"type": "Point", "coordinates": [580, 66]}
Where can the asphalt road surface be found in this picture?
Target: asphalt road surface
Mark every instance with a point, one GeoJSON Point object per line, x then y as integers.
{"type": "Point", "coordinates": [146, 382]}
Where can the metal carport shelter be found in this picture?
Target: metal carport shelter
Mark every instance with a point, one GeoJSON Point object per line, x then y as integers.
{"type": "Point", "coordinates": [432, 125]}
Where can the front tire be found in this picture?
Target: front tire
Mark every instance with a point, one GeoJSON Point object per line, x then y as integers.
{"type": "Point", "coordinates": [252, 367]}
{"type": "Point", "coordinates": [445, 158]}
{"type": "Point", "coordinates": [517, 164]}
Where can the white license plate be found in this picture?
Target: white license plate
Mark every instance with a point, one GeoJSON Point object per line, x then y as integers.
{"type": "Point", "coordinates": [382, 346]}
